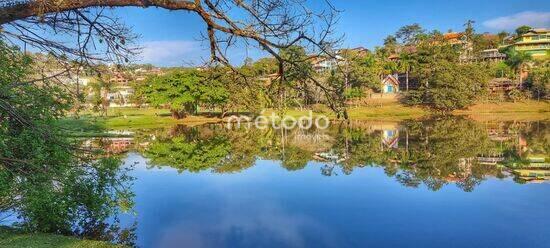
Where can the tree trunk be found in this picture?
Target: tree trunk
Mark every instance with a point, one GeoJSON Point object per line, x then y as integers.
{"type": "Point", "coordinates": [407, 80]}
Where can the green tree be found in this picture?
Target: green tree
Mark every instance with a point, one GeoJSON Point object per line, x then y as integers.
{"type": "Point", "coordinates": [539, 82]}
{"type": "Point", "coordinates": [183, 91]}
{"type": "Point", "coordinates": [410, 34]}
{"type": "Point", "coordinates": [45, 178]}
{"type": "Point", "coordinates": [517, 61]}
{"type": "Point", "coordinates": [523, 30]}
{"type": "Point", "coordinates": [456, 87]}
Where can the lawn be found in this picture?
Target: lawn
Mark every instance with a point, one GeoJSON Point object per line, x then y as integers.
{"type": "Point", "coordinates": [13, 238]}
{"type": "Point", "coordinates": [388, 110]}
{"type": "Point", "coordinates": [135, 118]}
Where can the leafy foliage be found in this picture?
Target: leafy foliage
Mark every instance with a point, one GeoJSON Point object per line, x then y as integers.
{"type": "Point", "coordinates": [446, 84]}
{"type": "Point", "coordinates": [183, 91]}
{"type": "Point", "coordinates": [43, 179]}
{"type": "Point", "coordinates": [539, 82]}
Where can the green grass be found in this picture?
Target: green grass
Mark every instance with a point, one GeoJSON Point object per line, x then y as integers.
{"type": "Point", "coordinates": [90, 124]}
{"type": "Point", "coordinates": [391, 111]}
{"type": "Point", "coordinates": [15, 239]}
{"type": "Point", "coordinates": [136, 118]}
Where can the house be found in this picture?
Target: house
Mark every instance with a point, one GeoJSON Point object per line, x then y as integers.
{"type": "Point", "coordinates": [119, 79]}
{"type": "Point", "coordinates": [502, 85]}
{"type": "Point", "coordinates": [492, 55]}
{"type": "Point", "coordinates": [390, 84]}
{"type": "Point", "coordinates": [120, 97]}
{"type": "Point", "coordinates": [536, 42]}
{"type": "Point", "coordinates": [461, 40]}
{"type": "Point", "coordinates": [322, 64]}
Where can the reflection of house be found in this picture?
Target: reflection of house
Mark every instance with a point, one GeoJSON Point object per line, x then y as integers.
{"type": "Point", "coordinates": [390, 138]}
{"type": "Point", "coordinates": [490, 160]}
{"type": "Point", "coordinates": [533, 176]}
{"type": "Point", "coordinates": [535, 42]}
{"type": "Point", "coordinates": [329, 156]}
{"type": "Point", "coordinates": [390, 84]}
{"type": "Point", "coordinates": [118, 145]}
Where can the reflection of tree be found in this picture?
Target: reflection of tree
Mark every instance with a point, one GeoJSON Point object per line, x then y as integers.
{"type": "Point", "coordinates": [71, 201]}
{"type": "Point", "coordinates": [189, 152]}
{"type": "Point", "coordinates": [224, 151]}
{"type": "Point", "coordinates": [433, 153]}
{"type": "Point", "coordinates": [537, 138]}
{"type": "Point", "coordinates": [245, 148]}
{"type": "Point", "coordinates": [444, 151]}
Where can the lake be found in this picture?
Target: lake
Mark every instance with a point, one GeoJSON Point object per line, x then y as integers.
{"type": "Point", "coordinates": [447, 182]}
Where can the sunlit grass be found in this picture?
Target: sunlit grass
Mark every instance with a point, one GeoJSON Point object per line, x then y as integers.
{"type": "Point", "coordinates": [13, 238]}
{"type": "Point", "coordinates": [387, 110]}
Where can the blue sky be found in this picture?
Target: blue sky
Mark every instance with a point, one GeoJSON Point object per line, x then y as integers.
{"type": "Point", "coordinates": [171, 38]}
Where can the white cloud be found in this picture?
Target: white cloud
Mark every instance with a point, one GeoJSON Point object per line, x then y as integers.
{"type": "Point", "coordinates": [171, 53]}
{"type": "Point", "coordinates": [529, 18]}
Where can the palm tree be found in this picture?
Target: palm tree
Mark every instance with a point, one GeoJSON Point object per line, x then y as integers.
{"type": "Point", "coordinates": [517, 61]}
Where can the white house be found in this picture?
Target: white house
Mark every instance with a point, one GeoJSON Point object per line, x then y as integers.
{"type": "Point", "coordinates": [390, 84]}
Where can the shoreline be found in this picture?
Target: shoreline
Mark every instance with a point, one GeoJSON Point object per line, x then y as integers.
{"type": "Point", "coordinates": [133, 118]}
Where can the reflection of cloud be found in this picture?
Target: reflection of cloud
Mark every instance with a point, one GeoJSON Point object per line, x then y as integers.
{"type": "Point", "coordinates": [170, 53]}
{"type": "Point", "coordinates": [263, 225]}
{"type": "Point", "coordinates": [529, 18]}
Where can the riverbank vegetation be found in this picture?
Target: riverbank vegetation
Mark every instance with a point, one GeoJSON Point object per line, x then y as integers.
{"type": "Point", "coordinates": [53, 182]}
{"type": "Point", "coordinates": [16, 239]}
{"type": "Point", "coordinates": [49, 181]}
{"type": "Point", "coordinates": [426, 72]}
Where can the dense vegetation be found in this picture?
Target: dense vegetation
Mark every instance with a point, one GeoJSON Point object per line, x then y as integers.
{"type": "Point", "coordinates": [443, 73]}
{"type": "Point", "coordinates": [46, 179]}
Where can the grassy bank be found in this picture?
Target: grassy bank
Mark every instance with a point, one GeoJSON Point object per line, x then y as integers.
{"type": "Point", "coordinates": [133, 118]}
{"type": "Point", "coordinates": [508, 111]}
{"type": "Point", "coordinates": [13, 238]}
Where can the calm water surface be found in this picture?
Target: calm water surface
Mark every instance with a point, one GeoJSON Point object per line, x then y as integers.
{"type": "Point", "coordinates": [430, 184]}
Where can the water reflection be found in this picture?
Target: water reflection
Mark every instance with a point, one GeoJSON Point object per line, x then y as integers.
{"type": "Point", "coordinates": [81, 200]}
{"type": "Point", "coordinates": [352, 185]}
{"type": "Point", "coordinates": [433, 153]}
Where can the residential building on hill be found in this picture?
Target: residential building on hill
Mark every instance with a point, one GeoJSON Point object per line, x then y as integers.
{"type": "Point", "coordinates": [492, 55]}
{"type": "Point", "coordinates": [461, 40]}
{"type": "Point", "coordinates": [322, 64]}
{"type": "Point", "coordinates": [535, 42]}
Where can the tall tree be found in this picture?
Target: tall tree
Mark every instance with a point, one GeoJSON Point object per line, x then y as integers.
{"type": "Point", "coordinates": [183, 91]}
{"type": "Point", "coordinates": [273, 25]}
{"type": "Point", "coordinates": [410, 34]}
